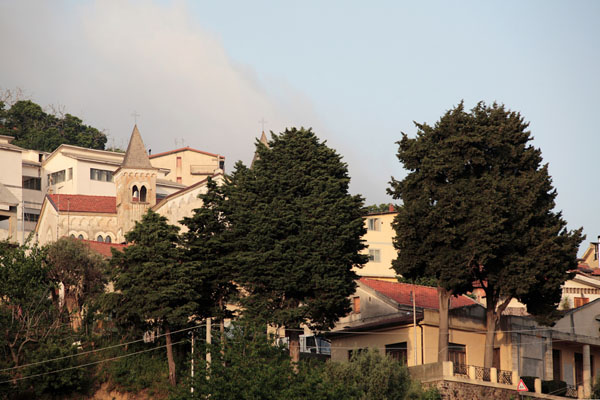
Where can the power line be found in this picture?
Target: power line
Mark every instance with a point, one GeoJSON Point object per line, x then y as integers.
{"type": "Point", "coordinates": [91, 363]}
{"type": "Point", "coordinates": [94, 351]}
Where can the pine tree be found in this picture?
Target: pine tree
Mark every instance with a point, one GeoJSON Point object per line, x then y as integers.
{"type": "Point", "coordinates": [154, 288]}
{"type": "Point", "coordinates": [296, 233]}
{"type": "Point", "coordinates": [479, 206]}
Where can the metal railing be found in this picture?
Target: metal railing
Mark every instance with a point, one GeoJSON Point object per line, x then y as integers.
{"type": "Point", "coordinates": [482, 374]}
{"type": "Point", "coordinates": [461, 369]}
{"type": "Point", "coordinates": [571, 391]}
{"type": "Point", "coordinates": [505, 377]}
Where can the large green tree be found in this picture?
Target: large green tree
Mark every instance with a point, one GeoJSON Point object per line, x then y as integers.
{"type": "Point", "coordinates": [153, 287]}
{"type": "Point", "coordinates": [206, 248]}
{"type": "Point", "coordinates": [80, 271]}
{"type": "Point", "coordinates": [478, 206]}
{"type": "Point", "coordinates": [33, 128]}
{"type": "Point", "coordinates": [296, 233]}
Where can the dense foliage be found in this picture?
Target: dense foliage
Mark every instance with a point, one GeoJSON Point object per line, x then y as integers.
{"type": "Point", "coordinates": [153, 287]}
{"type": "Point", "coordinates": [296, 233]}
{"type": "Point", "coordinates": [478, 205]}
{"type": "Point", "coordinates": [33, 128]}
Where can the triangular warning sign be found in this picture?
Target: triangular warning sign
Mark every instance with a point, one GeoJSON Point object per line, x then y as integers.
{"type": "Point", "coordinates": [521, 387]}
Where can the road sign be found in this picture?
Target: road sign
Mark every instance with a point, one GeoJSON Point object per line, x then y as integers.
{"type": "Point", "coordinates": [522, 387]}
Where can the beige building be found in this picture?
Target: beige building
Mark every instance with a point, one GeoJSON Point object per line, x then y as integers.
{"type": "Point", "coordinates": [383, 318]}
{"type": "Point", "coordinates": [381, 251]}
{"type": "Point", "coordinates": [188, 166]}
{"type": "Point", "coordinates": [21, 193]}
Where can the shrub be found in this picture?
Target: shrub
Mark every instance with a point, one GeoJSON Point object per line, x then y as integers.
{"type": "Point", "coordinates": [554, 387]}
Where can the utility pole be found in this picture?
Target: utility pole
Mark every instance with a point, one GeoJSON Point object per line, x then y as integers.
{"type": "Point", "coordinates": [208, 340]}
{"type": "Point", "coordinates": [192, 372]}
{"type": "Point", "coordinates": [413, 293]}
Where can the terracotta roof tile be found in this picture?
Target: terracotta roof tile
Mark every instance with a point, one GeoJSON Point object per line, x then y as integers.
{"type": "Point", "coordinates": [104, 248]}
{"type": "Point", "coordinates": [84, 203]}
{"type": "Point", "coordinates": [425, 297]}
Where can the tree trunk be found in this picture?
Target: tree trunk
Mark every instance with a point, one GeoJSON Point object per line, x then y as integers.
{"type": "Point", "coordinates": [294, 343]}
{"type": "Point", "coordinates": [444, 304]}
{"type": "Point", "coordinates": [171, 361]}
{"type": "Point", "coordinates": [490, 324]}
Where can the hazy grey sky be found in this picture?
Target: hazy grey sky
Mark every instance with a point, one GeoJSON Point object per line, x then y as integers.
{"type": "Point", "coordinates": [207, 72]}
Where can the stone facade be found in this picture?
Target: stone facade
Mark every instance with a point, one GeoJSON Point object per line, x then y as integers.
{"type": "Point", "coordinates": [136, 192]}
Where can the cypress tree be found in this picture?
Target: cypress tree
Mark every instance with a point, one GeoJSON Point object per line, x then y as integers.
{"type": "Point", "coordinates": [296, 233]}
{"type": "Point", "coordinates": [478, 206]}
{"type": "Point", "coordinates": [153, 287]}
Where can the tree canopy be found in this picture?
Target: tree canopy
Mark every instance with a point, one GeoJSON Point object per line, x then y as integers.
{"type": "Point", "coordinates": [153, 288]}
{"type": "Point", "coordinates": [296, 232]}
{"type": "Point", "coordinates": [478, 206]}
{"type": "Point", "coordinates": [33, 128]}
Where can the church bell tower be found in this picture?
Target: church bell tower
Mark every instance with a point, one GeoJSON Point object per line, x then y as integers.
{"type": "Point", "coordinates": [135, 181]}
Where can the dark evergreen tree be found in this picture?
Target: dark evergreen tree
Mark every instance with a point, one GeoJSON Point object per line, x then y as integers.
{"type": "Point", "coordinates": [296, 233]}
{"type": "Point", "coordinates": [153, 288]}
{"type": "Point", "coordinates": [207, 247]}
{"type": "Point", "coordinates": [479, 206]}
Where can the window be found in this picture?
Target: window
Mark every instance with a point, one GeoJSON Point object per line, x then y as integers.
{"type": "Point", "coordinates": [356, 305]}
{"type": "Point", "coordinates": [80, 237]}
{"type": "Point", "coordinates": [100, 238]}
{"type": "Point", "coordinates": [579, 301]}
{"type": "Point", "coordinates": [32, 183]}
{"type": "Point", "coordinates": [374, 255]}
{"type": "Point", "coordinates": [222, 165]}
{"type": "Point", "coordinates": [72, 236]}
{"type": "Point", "coordinates": [397, 351]}
{"type": "Point", "coordinates": [70, 174]}
{"type": "Point", "coordinates": [56, 177]}
{"type": "Point", "coordinates": [351, 353]}
{"type": "Point", "coordinates": [457, 353]}
{"type": "Point", "coordinates": [30, 217]}
{"type": "Point", "coordinates": [135, 194]}
{"type": "Point", "coordinates": [143, 194]}
{"type": "Point", "coordinates": [373, 224]}
{"type": "Point", "coordinates": [101, 175]}
{"type": "Point", "coordinates": [107, 239]}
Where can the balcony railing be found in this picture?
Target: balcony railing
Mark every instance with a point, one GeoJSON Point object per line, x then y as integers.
{"type": "Point", "coordinates": [505, 377]}
{"type": "Point", "coordinates": [483, 374]}
{"type": "Point", "coordinates": [461, 369]}
{"type": "Point", "coordinates": [571, 391]}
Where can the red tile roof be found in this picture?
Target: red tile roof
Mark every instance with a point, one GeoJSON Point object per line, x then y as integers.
{"type": "Point", "coordinates": [83, 203]}
{"type": "Point", "coordinates": [188, 148]}
{"type": "Point", "coordinates": [425, 297]}
{"type": "Point", "coordinates": [104, 248]}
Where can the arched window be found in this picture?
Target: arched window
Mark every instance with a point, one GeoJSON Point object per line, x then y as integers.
{"type": "Point", "coordinates": [100, 238]}
{"type": "Point", "coordinates": [143, 194]}
{"type": "Point", "coordinates": [72, 236]}
{"type": "Point", "coordinates": [108, 239]}
{"type": "Point", "coordinates": [135, 194]}
{"type": "Point", "coordinates": [80, 237]}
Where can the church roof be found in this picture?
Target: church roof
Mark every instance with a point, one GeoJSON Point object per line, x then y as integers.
{"type": "Point", "coordinates": [104, 248]}
{"type": "Point", "coordinates": [136, 156]}
{"type": "Point", "coordinates": [83, 203]}
{"type": "Point", "coordinates": [263, 140]}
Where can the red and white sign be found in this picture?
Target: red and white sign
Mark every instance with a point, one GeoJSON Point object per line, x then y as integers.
{"type": "Point", "coordinates": [521, 387]}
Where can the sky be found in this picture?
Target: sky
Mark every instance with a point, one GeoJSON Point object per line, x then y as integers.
{"type": "Point", "coordinates": [204, 73]}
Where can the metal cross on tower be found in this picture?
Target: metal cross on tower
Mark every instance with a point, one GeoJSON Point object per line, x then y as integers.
{"type": "Point", "coordinates": [262, 122]}
{"type": "Point", "coordinates": [135, 115]}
